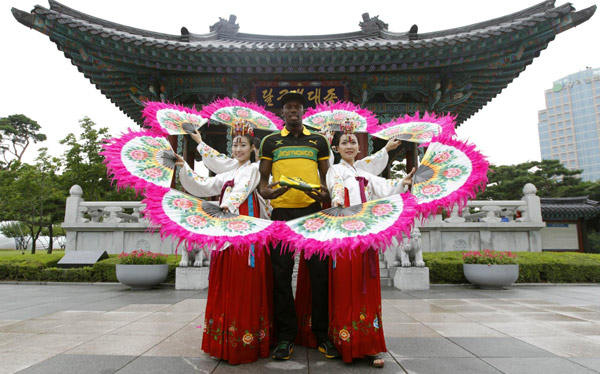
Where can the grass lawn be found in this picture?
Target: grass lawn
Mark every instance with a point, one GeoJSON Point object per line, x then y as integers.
{"type": "Point", "coordinates": [38, 252]}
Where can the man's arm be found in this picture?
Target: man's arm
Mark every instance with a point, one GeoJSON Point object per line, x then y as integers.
{"type": "Point", "coordinates": [265, 189]}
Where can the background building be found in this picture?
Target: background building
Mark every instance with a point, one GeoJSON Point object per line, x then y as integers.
{"type": "Point", "coordinates": [569, 127]}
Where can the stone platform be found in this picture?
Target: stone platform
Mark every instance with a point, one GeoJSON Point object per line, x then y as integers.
{"type": "Point", "coordinates": [69, 328]}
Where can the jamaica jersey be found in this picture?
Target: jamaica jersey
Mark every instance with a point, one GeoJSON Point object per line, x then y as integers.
{"type": "Point", "coordinates": [294, 157]}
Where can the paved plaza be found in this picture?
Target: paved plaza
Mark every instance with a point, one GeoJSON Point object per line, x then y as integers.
{"type": "Point", "coordinates": [66, 328]}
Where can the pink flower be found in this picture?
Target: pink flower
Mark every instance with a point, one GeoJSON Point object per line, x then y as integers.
{"type": "Point", "coordinates": [441, 157]}
{"type": "Point", "coordinates": [431, 189]}
{"type": "Point", "coordinates": [426, 134]}
{"type": "Point", "coordinates": [419, 128]}
{"type": "Point", "coordinates": [174, 116]}
{"type": "Point", "coordinates": [153, 172]}
{"type": "Point", "coordinates": [381, 209]}
{"type": "Point", "coordinates": [138, 154]}
{"type": "Point", "coordinates": [318, 120]}
{"type": "Point", "coordinates": [238, 225]}
{"type": "Point", "coordinates": [153, 142]}
{"type": "Point", "coordinates": [171, 125]}
{"type": "Point", "coordinates": [224, 116]}
{"type": "Point", "coordinates": [313, 224]}
{"type": "Point", "coordinates": [196, 221]}
{"type": "Point", "coordinates": [353, 225]}
{"type": "Point", "coordinates": [339, 116]}
{"type": "Point", "coordinates": [452, 172]}
{"type": "Point", "coordinates": [262, 122]}
{"type": "Point", "coordinates": [242, 113]}
{"type": "Point", "coordinates": [183, 203]}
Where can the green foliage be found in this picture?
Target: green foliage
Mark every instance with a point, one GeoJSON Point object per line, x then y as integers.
{"type": "Point", "coordinates": [16, 133]}
{"type": "Point", "coordinates": [32, 194]}
{"type": "Point", "coordinates": [490, 257]}
{"type": "Point", "coordinates": [545, 267]}
{"type": "Point", "coordinates": [140, 257]}
{"type": "Point", "coordinates": [42, 268]}
{"type": "Point", "coordinates": [594, 240]}
{"type": "Point", "coordinates": [550, 177]}
{"type": "Point", "coordinates": [17, 231]}
{"type": "Point", "coordinates": [84, 165]}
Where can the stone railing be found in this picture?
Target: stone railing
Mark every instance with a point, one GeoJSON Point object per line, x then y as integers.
{"type": "Point", "coordinates": [117, 226]}
{"type": "Point", "coordinates": [111, 226]}
{"type": "Point", "coordinates": [508, 225]}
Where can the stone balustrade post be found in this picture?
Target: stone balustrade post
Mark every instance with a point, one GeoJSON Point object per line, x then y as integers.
{"type": "Point", "coordinates": [72, 214]}
{"type": "Point", "coordinates": [113, 216]}
{"type": "Point", "coordinates": [534, 206]}
{"type": "Point", "coordinates": [490, 216]}
{"type": "Point", "coordinates": [454, 217]}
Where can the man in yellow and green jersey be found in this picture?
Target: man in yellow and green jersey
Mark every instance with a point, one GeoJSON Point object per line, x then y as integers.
{"type": "Point", "coordinates": [296, 152]}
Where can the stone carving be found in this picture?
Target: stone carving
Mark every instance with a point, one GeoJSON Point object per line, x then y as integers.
{"type": "Point", "coordinates": [194, 257]}
{"type": "Point", "coordinates": [411, 250]}
{"type": "Point", "coordinates": [372, 24]}
{"type": "Point", "coordinates": [226, 27]}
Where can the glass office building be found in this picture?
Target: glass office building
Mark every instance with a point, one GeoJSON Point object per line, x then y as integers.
{"type": "Point", "coordinates": [569, 127]}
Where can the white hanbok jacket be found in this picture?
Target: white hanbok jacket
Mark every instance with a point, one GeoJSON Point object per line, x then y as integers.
{"type": "Point", "coordinates": [343, 175]}
{"type": "Point", "coordinates": [245, 179]}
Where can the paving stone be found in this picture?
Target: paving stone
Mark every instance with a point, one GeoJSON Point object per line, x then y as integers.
{"type": "Point", "coordinates": [500, 347]}
{"type": "Point", "coordinates": [161, 365]}
{"type": "Point", "coordinates": [77, 364]}
{"type": "Point", "coordinates": [11, 363]}
{"type": "Point", "coordinates": [424, 347]}
{"type": "Point", "coordinates": [589, 362]}
{"type": "Point", "coordinates": [537, 365]}
{"type": "Point", "coordinates": [447, 365]}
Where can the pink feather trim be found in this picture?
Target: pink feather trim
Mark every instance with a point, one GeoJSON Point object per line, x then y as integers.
{"type": "Point", "coordinates": [209, 109]}
{"type": "Point", "coordinates": [447, 123]}
{"type": "Point", "coordinates": [473, 185]}
{"type": "Point", "coordinates": [111, 150]}
{"type": "Point", "coordinates": [372, 121]}
{"type": "Point", "coordinates": [295, 242]}
{"type": "Point", "coordinates": [155, 213]}
{"type": "Point", "coordinates": [152, 107]}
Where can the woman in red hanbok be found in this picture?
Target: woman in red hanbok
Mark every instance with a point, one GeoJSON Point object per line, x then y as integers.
{"type": "Point", "coordinates": [356, 326]}
{"type": "Point", "coordinates": [237, 325]}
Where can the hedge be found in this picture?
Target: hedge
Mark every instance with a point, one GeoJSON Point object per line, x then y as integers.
{"type": "Point", "coordinates": [42, 268]}
{"type": "Point", "coordinates": [545, 267]}
{"type": "Point", "coordinates": [444, 267]}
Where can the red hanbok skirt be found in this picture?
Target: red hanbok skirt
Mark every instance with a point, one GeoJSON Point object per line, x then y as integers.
{"type": "Point", "coordinates": [238, 323]}
{"type": "Point", "coordinates": [355, 325]}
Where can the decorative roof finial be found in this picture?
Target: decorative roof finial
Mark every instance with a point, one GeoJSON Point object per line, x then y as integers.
{"type": "Point", "coordinates": [372, 24]}
{"type": "Point", "coordinates": [226, 27]}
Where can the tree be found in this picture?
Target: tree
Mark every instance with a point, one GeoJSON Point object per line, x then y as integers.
{"type": "Point", "coordinates": [17, 231]}
{"type": "Point", "coordinates": [84, 165]}
{"type": "Point", "coordinates": [32, 194]}
{"type": "Point", "coordinates": [16, 133]}
{"type": "Point", "coordinates": [550, 177]}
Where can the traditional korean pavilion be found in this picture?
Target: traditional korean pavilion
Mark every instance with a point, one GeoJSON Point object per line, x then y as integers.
{"type": "Point", "coordinates": [391, 73]}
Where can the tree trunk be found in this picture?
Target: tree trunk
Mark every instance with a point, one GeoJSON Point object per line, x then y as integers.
{"type": "Point", "coordinates": [50, 242]}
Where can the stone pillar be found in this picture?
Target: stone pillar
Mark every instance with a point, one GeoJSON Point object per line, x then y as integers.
{"type": "Point", "coordinates": [72, 215]}
{"type": "Point", "coordinates": [534, 207]}
{"type": "Point", "coordinates": [73, 201]}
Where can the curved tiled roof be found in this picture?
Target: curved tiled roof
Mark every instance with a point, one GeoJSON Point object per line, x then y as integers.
{"type": "Point", "coordinates": [569, 208]}
{"type": "Point", "coordinates": [464, 67]}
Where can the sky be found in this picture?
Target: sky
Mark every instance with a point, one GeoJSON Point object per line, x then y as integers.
{"type": "Point", "coordinates": [38, 81]}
